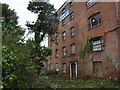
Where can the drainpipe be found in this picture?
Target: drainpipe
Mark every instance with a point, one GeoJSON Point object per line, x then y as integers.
{"type": "Point", "coordinates": [117, 4]}
{"type": "Point", "coordinates": [70, 72]}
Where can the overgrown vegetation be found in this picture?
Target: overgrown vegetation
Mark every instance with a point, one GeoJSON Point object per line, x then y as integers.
{"type": "Point", "coordinates": [85, 48]}
{"type": "Point", "coordinates": [55, 80]}
{"type": "Point", "coordinates": [21, 61]}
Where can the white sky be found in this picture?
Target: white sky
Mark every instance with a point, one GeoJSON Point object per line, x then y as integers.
{"type": "Point", "coordinates": [20, 7]}
{"type": "Point", "coordinates": [24, 15]}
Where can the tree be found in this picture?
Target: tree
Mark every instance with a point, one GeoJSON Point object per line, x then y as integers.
{"type": "Point", "coordinates": [11, 32]}
{"type": "Point", "coordinates": [17, 66]}
{"type": "Point", "coordinates": [46, 21]}
{"type": "Point", "coordinates": [46, 24]}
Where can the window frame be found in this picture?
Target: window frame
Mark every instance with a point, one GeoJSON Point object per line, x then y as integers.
{"type": "Point", "coordinates": [96, 16]}
{"type": "Point", "coordinates": [72, 31]}
{"type": "Point", "coordinates": [97, 43]}
{"type": "Point", "coordinates": [91, 3]}
{"type": "Point", "coordinates": [64, 51]}
{"type": "Point", "coordinates": [57, 41]}
{"type": "Point", "coordinates": [63, 22]}
{"type": "Point", "coordinates": [63, 10]}
{"type": "Point", "coordinates": [64, 68]}
{"type": "Point", "coordinates": [71, 15]}
{"type": "Point", "coordinates": [63, 36]}
{"type": "Point", "coordinates": [51, 67]}
{"type": "Point", "coordinates": [57, 67]}
{"type": "Point", "coordinates": [73, 49]}
{"type": "Point", "coordinates": [56, 53]}
{"type": "Point", "coordinates": [71, 3]}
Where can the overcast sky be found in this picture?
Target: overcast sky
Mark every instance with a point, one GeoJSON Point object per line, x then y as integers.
{"type": "Point", "coordinates": [20, 7]}
{"type": "Point", "coordinates": [24, 15]}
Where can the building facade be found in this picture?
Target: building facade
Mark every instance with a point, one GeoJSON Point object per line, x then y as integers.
{"type": "Point", "coordinates": [80, 23]}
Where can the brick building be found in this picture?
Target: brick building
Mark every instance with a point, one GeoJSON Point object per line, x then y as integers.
{"type": "Point", "coordinates": [97, 21]}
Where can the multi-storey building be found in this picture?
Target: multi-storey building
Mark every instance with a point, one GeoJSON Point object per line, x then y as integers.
{"type": "Point", "coordinates": [96, 22]}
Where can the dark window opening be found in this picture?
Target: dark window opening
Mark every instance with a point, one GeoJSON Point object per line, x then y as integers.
{"type": "Point", "coordinates": [72, 31]}
{"type": "Point", "coordinates": [94, 20]}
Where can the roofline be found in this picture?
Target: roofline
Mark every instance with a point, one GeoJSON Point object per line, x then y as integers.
{"type": "Point", "coordinates": [63, 5]}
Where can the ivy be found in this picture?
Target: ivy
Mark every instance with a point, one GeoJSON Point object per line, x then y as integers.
{"type": "Point", "coordinates": [86, 49]}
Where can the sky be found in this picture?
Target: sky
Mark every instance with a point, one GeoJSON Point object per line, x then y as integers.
{"type": "Point", "coordinates": [20, 7]}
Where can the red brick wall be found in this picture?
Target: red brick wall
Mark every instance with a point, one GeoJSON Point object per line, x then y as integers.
{"type": "Point", "coordinates": [80, 22]}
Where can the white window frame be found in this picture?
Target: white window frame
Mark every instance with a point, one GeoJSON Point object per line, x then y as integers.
{"type": "Point", "coordinates": [97, 44]}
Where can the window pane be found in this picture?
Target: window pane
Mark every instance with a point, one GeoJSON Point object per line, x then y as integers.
{"type": "Point", "coordinates": [57, 67]}
{"type": "Point", "coordinates": [64, 35]}
{"type": "Point", "coordinates": [73, 49]}
{"type": "Point", "coordinates": [64, 52]}
{"type": "Point", "coordinates": [71, 16]}
{"type": "Point", "coordinates": [90, 3]}
{"type": "Point", "coordinates": [64, 68]}
{"type": "Point", "coordinates": [56, 52]}
{"type": "Point", "coordinates": [98, 44]}
{"type": "Point", "coordinates": [72, 31]}
{"type": "Point", "coordinates": [94, 20]}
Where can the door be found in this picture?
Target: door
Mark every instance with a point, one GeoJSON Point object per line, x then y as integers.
{"type": "Point", "coordinates": [73, 69]}
{"type": "Point", "coordinates": [97, 69]}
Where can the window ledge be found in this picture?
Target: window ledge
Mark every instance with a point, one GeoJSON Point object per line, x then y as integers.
{"type": "Point", "coordinates": [94, 26]}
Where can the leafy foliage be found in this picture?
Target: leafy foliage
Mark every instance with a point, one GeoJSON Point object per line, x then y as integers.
{"type": "Point", "coordinates": [19, 60]}
{"type": "Point", "coordinates": [86, 49]}
{"type": "Point", "coordinates": [8, 62]}
{"type": "Point", "coordinates": [46, 24]}
{"type": "Point", "coordinates": [16, 61]}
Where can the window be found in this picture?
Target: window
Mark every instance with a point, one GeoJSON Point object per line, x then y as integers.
{"type": "Point", "coordinates": [91, 3]}
{"type": "Point", "coordinates": [51, 66]}
{"type": "Point", "coordinates": [71, 2]}
{"type": "Point", "coordinates": [64, 68]}
{"type": "Point", "coordinates": [72, 16]}
{"type": "Point", "coordinates": [72, 32]}
{"type": "Point", "coordinates": [64, 51]}
{"type": "Point", "coordinates": [97, 44]}
{"type": "Point", "coordinates": [73, 49]}
{"type": "Point", "coordinates": [63, 22]}
{"type": "Point", "coordinates": [94, 20]}
{"type": "Point", "coordinates": [56, 67]}
{"type": "Point", "coordinates": [63, 11]}
{"type": "Point", "coordinates": [56, 55]}
{"type": "Point", "coordinates": [50, 56]}
{"type": "Point", "coordinates": [63, 35]}
{"type": "Point", "coordinates": [57, 39]}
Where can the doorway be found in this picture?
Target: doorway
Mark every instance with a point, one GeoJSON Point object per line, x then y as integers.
{"type": "Point", "coordinates": [73, 69]}
{"type": "Point", "coordinates": [97, 69]}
